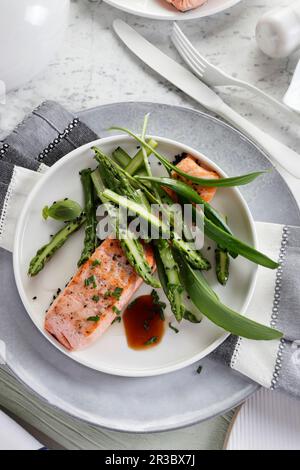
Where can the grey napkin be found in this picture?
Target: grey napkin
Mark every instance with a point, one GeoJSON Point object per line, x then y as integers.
{"type": "Point", "coordinates": [46, 135]}
{"type": "Point", "coordinates": [51, 132]}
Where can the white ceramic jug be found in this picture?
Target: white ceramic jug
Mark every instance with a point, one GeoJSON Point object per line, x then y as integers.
{"type": "Point", "coordinates": [30, 33]}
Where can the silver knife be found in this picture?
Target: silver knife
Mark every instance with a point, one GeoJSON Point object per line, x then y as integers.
{"type": "Point", "coordinates": [192, 86]}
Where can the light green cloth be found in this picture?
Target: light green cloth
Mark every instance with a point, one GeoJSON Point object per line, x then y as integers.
{"type": "Point", "coordinates": [71, 433]}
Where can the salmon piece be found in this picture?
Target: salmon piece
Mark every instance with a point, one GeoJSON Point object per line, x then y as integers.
{"type": "Point", "coordinates": [184, 5]}
{"type": "Point", "coordinates": [192, 166]}
{"type": "Point", "coordinates": [88, 305]}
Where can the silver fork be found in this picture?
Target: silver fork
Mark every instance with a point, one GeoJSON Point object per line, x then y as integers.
{"type": "Point", "coordinates": [210, 74]}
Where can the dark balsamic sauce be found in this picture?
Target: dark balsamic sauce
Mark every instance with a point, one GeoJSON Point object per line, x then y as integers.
{"type": "Point", "coordinates": [143, 324]}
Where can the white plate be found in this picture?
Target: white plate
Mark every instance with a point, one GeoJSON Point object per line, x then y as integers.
{"type": "Point", "coordinates": [110, 353]}
{"type": "Point", "coordinates": [267, 421]}
{"type": "Point", "coordinates": [161, 10]}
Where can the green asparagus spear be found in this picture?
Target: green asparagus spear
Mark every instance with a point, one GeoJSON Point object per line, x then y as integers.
{"type": "Point", "coordinates": [168, 273]}
{"type": "Point", "coordinates": [98, 185]}
{"type": "Point", "coordinates": [167, 267]}
{"type": "Point", "coordinates": [134, 252]}
{"type": "Point", "coordinates": [194, 257]}
{"type": "Point", "coordinates": [112, 176]}
{"type": "Point", "coordinates": [122, 183]}
{"type": "Point", "coordinates": [138, 161]}
{"type": "Point", "coordinates": [47, 251]}
{"type": "Point", "coordinates": [90, 240]}
{"type": "Point", "coordinates": [107, 165]}
{"type": "Point", "coordinates": [115, 178]}
{"type": "Point", "coordinates": [132, 247]}
{"type": "Point", "coordinates": [121, 157]}
{"type": "Point", "coordinates": [164, 198]}
{"type": "Point", "coordinates": [222, 266]}
{"type": "Point", "coordinates": [228, 241]}
{"type": "Point", "coordinates": [133, 165]}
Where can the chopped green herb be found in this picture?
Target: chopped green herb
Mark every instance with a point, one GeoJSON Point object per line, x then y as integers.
{"type": "Point", "coordinates": [95, 263]}
{"type": "Point", "coordinates": [95, 298]}
{"type": "Point", "coordinates": [155, 296]}
{"type": "Point", "coordinates": [151, 341]}
{"type": "Point", "coordinates": [199, 370]}
{"type": "Point", "coordinates": [162, 315]}
{"type": "Point", "coordinates": [116, 320]}
{"type": "Point", "coordinates": [146, 325]}
{"type": "Point", "coordinates": [96, 318]}
{"type": "Point", "coordinates": [117, 293]}
{"type": "Point", "coordinates": [173, 328]}
{"type": "Point", "coordinates": [116, 310]}
{"type": "Point", "coordinates": [90, 280]}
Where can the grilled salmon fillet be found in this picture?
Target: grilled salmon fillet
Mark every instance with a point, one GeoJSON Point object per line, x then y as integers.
{"type": "Point", "coordinates": [91, 301]}
{"type": "Point", "coordinates": [184, 5]}
{"type": "Point", "coordinates": [192, 166]}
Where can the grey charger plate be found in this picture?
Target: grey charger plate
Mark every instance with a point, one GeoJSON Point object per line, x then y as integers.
{"type": "Point", "coordinates": [155, 403]}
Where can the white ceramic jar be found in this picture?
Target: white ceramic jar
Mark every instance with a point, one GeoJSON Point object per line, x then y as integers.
{"type": "Point", "coordinates": [278, 31]}
{"type": "Point", "coordinates": [30, 33]}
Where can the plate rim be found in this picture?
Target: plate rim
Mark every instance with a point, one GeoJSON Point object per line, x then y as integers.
{"type": "Point", "coordinates": [18, 243]}
{"type": "Point", "coordinates": [252, 387]}
{"type": "Point", "coordinates": [176, 16]}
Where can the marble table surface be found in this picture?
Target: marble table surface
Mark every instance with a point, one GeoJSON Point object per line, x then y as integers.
{"type": "Point", "coordinates": [93, 68]}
